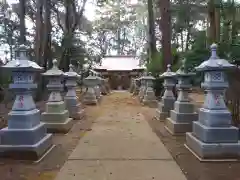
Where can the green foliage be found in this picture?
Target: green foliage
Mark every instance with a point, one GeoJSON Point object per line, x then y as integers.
{"type": "Point", "coordinates": [158, 86]}
{"type": "Point", "coordinates": [176, 59]}
{"type": "Point", "coordinates": [198, 53]}
{"type": "Point", "coordinates": [154, 64]}
{"type": "Point", "coordinates": [5, 79]}
{"type": "Point", "coordinates": [235, 53]}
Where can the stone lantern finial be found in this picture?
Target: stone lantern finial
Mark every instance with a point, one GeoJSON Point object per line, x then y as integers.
{"type": "Point", "coordinates": [70, 68]}
{"type": "Point", "coordinates": [184, 63]}
{"type": "Point", "coordinates": [169, 68]}
{"type": "Point", "coordinates": [214, 51]}
{"type": "Point", "coordinates": [55, 64]}
{"type": "Point", "coordinates": [22, 52]}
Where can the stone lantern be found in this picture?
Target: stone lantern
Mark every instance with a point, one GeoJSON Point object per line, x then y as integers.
{"type": "Point", "coordinates": [103, 86]}
{"type": "Point", "coordinates": [183, 114]}
{"type": "Point", "coordinates": [25, 136]}
{"type": "Point", "coordinates": [107, 86]}
{"type": "Point", "coordinates": [131, 88]}
{"type": "Point", "coordinates": [56, 116]}
{"type": "Point", "coordinates": [98, 87]}
{"type": "Point", "coordinates": [149, 95]}
{"type": "Point", "coordinates": [90, 97]}
{"type": "Point", "coordinates": [136, 86]}
{"type": "Point", "coordinates": [73, 105]}
{"type": "Point", "coordinates": [96, 81]}
{"type": "Point", "coordinates": [168, 99]}
{"type": "Point", "coordinates": [213, 135]}
{"type": "Point", "coordinates": [142, 86]}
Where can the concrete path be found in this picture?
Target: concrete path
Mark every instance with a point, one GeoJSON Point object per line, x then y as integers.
{"type": "Point", "coordinates": [121, 146]}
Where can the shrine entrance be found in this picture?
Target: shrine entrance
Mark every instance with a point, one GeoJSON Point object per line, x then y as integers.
{"type": "Point", "coordinates": [119, 80]}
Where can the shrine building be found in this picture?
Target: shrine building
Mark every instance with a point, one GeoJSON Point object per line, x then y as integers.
{"type": "Point", "coordinates": [119, 70]}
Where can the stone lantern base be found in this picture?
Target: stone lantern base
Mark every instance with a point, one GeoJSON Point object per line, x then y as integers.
{"type": "Point", "coordinates": [164, 108]}
{"type": "Point", "coordinates": [56, 117]}
{"type": "Point", "coordinates": [181, 118]}
{"type": "Point", "coordinates": [212, 142]}
{"type": "Point", "coordinates": [131, 89]}
{"type": "Point", "coordinates": [21, 143]}
{"type": "Point", "coordinates": [103, 90]}
{"type": "Point", "coordinates": [98, 93]}
{"type": "Point", "coordinates": [149, 97]}
{"type": "Point", "coordinates": [90, 97]}
{"type": "Point", "coordinates": [216, 151]}
{"type": "Point", "coordinates": [136, 91]}
{"type": "Point", "coordinates": [107, 86]}
{"type": "Point", "coordinates": [141, 93]}
{"type": "Point", "coordinates": [74, 108]}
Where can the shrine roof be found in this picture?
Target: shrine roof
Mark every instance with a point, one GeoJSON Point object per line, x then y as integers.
{"type": "Point", "coordinates": [119, 63]}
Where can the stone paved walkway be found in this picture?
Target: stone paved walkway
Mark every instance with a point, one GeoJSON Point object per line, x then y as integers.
{"type": "Point", "coordinates": [121, 146]}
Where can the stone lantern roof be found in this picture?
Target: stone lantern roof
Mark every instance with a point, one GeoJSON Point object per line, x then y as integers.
{"type": "Point", "coordinates": [71, 72]}
{"type": "Point", "coordinates": [149, 76]}
{"type": "Point", "coordinates": [22, 63]}
{"type": "Point", "coordinates": [214, 62]}
{"type": "Point", "coordinates": [98, 77]}
{"type": "Point", "coordinates": [91, 77]}
{"type": "Point", "coordinates": [182, 71]}
{"type": "Point", "coordinates": [168, 73]}
{"type": "Point", "coordinates": [144, 74]}
{"type": "Point", "coordinates": [54, 71]}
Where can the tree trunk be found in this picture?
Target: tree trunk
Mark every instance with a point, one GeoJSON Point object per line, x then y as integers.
{"type": "Point", "coordinates": [188, 37]}
{"type": "Point", "coordinates": [71, 22]}
{"type": "Point", "coordinates": [212, 20]}
{"type": "Point", "coordinates": [123, 41]}
{"type": "Point", "coordinates": [217, 23]}
{"type": "Point", "coordinates": [234, 27]}
{"type": "Point", "coordinates": [11, 48]}
{"type": "Point", "coordinates": [67, 37]}
{"type": "Point", "coordinates": [165, 28]}
{"type": "Point", "coordinates": [151, 30]}
{"type": "Point", "coordinates": [39, 32]}
{"type": "Point", "coordinates": [119, 31]}
{"type": "Point", "coordinates": [182, 41]}
{"type": "Point", "coordinates": [43, 42]}
{"type": "Point", "coordinates": [47, 54]}
{"type": "Point", "coordinates": [22, 5]}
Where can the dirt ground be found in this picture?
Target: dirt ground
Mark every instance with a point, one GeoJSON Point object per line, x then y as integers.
{"type": "Point", "coordinates": [50, 165]}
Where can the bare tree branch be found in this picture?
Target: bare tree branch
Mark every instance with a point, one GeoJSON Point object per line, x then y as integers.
{"type": "Point", "coordinates": [78, 15]}
{"type": "Point", "coordinates": [58, 17]}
